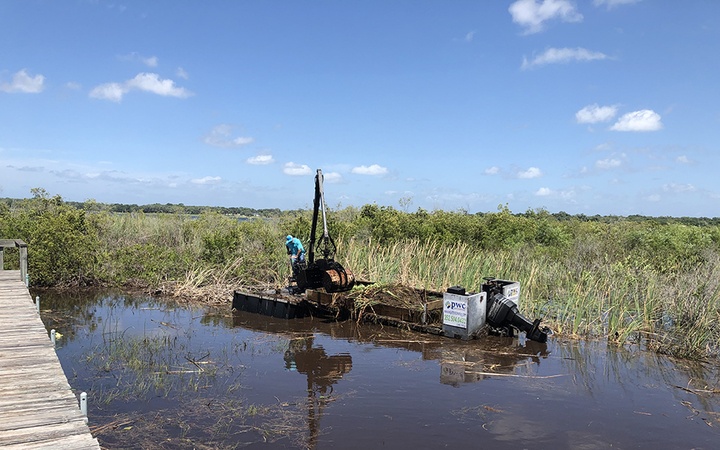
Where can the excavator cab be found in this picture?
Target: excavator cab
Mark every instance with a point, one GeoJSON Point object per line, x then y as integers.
{"type": "Point", "coordinates": [323, 272]}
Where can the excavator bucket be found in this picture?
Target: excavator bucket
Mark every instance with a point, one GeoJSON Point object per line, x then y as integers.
{"type": "Point", "coordinates": [327, 274]}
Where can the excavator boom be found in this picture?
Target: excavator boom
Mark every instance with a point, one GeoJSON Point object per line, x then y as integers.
{"type": "Point", "coordinates": [324, 272]}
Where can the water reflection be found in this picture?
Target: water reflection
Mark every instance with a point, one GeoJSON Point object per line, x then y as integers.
{"type": "Point", "coordinates": [501, 357]}
{"type": "Point", "coordinates": [322, 371]}
{"type": "Point", "coordinates": [239, 379]}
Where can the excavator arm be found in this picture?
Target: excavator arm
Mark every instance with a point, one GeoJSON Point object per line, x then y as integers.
{"type": "Point", "coordinates": [324, 272]}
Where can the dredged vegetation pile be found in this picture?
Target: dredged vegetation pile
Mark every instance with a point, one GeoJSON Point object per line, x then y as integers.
{"type": "Point", "coordinates": [652, 281]}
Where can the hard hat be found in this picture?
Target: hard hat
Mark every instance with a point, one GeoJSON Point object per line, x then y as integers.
{"type": "Point", "coordinates": [288, 238]}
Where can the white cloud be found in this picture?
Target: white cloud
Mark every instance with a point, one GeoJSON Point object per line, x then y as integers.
{"type": "Point", "coordinates": [151, 82]}
{"type": "Point", "coordinates": [109, 91]}
{"type": "Point", "coordinates": [613, 3]}
{"type": "Point", "coordinates": [532, 172]}
{"type": "Point", "coordinates": [260, 160]}
{"type": "Point", "coordinates": [332, 177]}
{"type": "Point", "coordinates": [653, 198]}
{"type": "Point", "coordinates": [594, 114]}
{"type": "Point", "coordinates": [608, 163]}
{"type": "Point", "coordinates": [567, 195]}
{"type": "Point", "coordinates": [682, 159]}
{"type": "Point", "coordinates": [221, 136]}
{"type": "Point", "coordinates": [24, 83]}
{"type": "Point", "coordinates": [206, 180]}
{"type": "Point", "coordinates": [643, 120]}
{"type": "Point", "coordinates": [563, 55]}
{"type": "Point", "coordinates": [181, 73]}
{"type": "Point", "coordinates": [148, 82]}
{"type": "Point", "coordinates": [296, 169]}
{"type": "Point", "coordinates": [370, 170]}
{"type": "Point", "coordinates": [73, 86]}
{"type": "Point", "coordinates": [532, 14]}
{"type": "Point", "coordinates": [678, 188]}
{"type": "Point", "coordinates": [469, 36]}
{"type": "Point", "coordinates": [494, 170]}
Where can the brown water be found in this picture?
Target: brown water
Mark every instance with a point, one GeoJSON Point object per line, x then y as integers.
{"type": "Point", "coordinates": [164, 376]}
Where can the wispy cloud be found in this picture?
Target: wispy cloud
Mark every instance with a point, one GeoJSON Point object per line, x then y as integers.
{"type": "Point", "coordinates": [613, 3]}
{"type": "Point", "coordinates": [494, 170]}
{"type": "Point", "coordinates": [562, 56]}
{"type": "Point", "coordinates": [260, 160]}
{"type": "Point", "coordinates": [221, 136]}
{"type": "Point", "coordinates": [532, 14]}
{"type": "Point", "coordinates": [296, 169]}
{"type": "Point", "coordinates": [24, 83]}
{"type": "Point", "coordinates": [532, 172]}
{"type": "Point", "coordinates": [678, 188]}
{"type": "Point", "coordinates": [643, 120]}
{"type": "Point", "coordinates": [594, 114]}
{"type": "Point", "coordinates": [147, 82]}
{"type": "Point", "coordinates": [150, 61]}
{"type": "Point", "coordinates": [181, 73]}
{"type": "Point", "coordinates": [564, 194]}
{"type": "Point", "coordinates": [374, 169]}
{"type": "Point", "coordinates": [608, 163]}
{"type": "Point", "coordinates": [206, 180]}
{"type": "Point", "coordinates": [332, 177]}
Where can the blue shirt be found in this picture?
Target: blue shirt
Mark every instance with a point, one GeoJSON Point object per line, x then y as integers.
{"type": "Point", "coordinates": [294, 245]}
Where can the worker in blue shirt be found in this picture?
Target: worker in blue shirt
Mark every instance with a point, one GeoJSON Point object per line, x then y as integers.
{"type": "Point", "coordinates": [296, 251]}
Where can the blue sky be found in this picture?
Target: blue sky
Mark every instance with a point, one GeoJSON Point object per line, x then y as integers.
{"type": "Point", "coordinates": [587, 106]}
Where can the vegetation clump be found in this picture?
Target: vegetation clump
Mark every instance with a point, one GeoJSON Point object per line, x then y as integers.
{"type": "Point", "coordinates": [654, 281]}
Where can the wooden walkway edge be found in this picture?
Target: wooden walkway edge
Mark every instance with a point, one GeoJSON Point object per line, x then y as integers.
{"type": "Point", "coordinates": [38, 409]}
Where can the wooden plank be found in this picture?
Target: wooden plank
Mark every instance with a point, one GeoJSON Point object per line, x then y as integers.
{"type": "Point", "coordinates": [37, 406]}
{"type": "Point", "coordinates": [74, 442]}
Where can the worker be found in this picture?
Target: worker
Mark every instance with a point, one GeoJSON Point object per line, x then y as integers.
{"type": "Point", "coordinates": [297, 253]}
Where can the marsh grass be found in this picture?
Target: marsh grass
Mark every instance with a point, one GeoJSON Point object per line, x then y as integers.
{"type": "Point", "coordinates": [641, 280]}
{"type": "Point", "coordinates": [148, 366]}
{"type": "Point", "coordinates": [621, 300]}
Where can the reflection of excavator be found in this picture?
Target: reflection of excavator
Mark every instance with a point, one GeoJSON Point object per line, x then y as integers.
{"type": "Point", "coordinates": [324, 272]}
{"type": "Point", "coordinates": [322, 372]}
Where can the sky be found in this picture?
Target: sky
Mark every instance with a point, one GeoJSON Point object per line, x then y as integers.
{"type": "Point", "coordinates": [607, 107]}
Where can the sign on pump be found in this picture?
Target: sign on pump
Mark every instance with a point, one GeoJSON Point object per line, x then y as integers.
{"type": "Point", "coordinates": [463, 314]}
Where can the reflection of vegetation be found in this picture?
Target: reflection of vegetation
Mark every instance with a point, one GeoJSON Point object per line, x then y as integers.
{"type": "Point", "coordinates": [633, 278]}
{"type": "Point", "coordinates": [594, 367]}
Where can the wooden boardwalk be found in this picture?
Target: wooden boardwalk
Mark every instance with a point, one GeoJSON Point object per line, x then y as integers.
{"type": "Point", "coordinates": [38, 410]}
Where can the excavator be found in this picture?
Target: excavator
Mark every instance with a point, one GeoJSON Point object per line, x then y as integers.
{"type": "Point", "coordinates": [323, 272]}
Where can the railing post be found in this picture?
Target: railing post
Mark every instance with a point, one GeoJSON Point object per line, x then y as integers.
{"type": "Point", "coordinates": [83, 405]}
{"type": "Point", "coordinates": [37, 302]}
{"type": "Point", "coordinates": [22, 246]}
{"type": "Point", "coordinates": [2, 264]}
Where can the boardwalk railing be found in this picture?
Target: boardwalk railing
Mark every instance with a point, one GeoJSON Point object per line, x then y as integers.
{"type": "Point", "coordinates": [22, 247]}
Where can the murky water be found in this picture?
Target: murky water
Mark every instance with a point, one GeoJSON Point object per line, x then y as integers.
{"type": "Point", "coordinates": [161, 376]}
